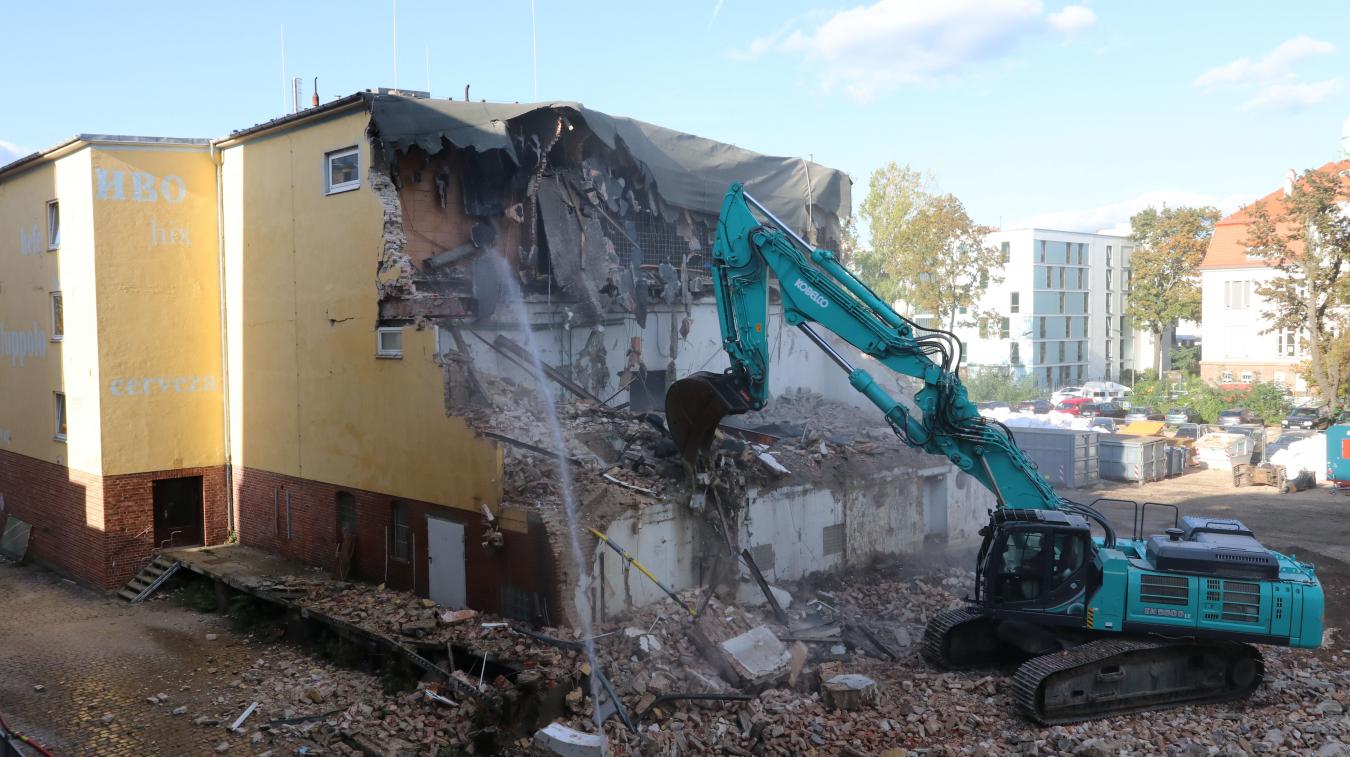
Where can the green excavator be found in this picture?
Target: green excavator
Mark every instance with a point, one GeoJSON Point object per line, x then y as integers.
{"type": "Point", "coordinates": [1099, 623]}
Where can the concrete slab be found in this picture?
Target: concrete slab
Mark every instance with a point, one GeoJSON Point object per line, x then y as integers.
{"type": "Point", "coordinates": [558, 739]}
{"type": "Point", "coordinates": [849, 691]}
{"type": "Point", "coordinates": [757, 654]}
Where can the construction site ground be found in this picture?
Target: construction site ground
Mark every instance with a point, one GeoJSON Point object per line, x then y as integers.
{"type": "Point", "coordinates": [84, 673]}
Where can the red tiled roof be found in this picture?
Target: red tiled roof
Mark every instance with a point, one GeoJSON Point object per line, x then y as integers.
{"type": "Point", "coordinates": [1228, 246]}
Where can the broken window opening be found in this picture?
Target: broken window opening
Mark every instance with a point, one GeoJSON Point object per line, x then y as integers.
{"type": "Point", "coordinates": [648, 391]}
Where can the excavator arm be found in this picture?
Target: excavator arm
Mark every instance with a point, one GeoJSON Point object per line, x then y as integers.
{"type": "Point", "coordinates": [816, 289]}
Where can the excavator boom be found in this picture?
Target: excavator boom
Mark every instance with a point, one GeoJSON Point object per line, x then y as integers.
{"type": "Point", "coordinates": [816, 289]}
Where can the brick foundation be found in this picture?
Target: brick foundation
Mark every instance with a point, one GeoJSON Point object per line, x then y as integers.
{"type": "Point", "coordinates": [98, 529]}
{"type": "Point", "coordinates": [517, 579]}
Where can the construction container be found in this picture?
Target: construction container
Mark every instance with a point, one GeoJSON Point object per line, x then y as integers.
{"type": "Point", "coordinates": [1065, 457]}
{"type": "Point", "coordinates": [1132, 458]}
{"type": "Point", "coordinates": [1338, 456]}
{"type": "Point", "coordinates": [1176, 460]}
{"type": "Point", "coordinates": [1221, 451]}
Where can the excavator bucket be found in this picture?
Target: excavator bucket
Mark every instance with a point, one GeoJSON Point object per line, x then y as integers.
{"type": "Point", "coordinates": [696, 404]}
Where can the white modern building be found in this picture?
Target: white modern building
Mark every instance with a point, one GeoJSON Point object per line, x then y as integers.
{"type": "Point", "coordinates": [1059, 310]}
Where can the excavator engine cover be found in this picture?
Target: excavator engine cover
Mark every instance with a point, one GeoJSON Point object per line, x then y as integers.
{"type": "Point", "coordinates": [696, 404]}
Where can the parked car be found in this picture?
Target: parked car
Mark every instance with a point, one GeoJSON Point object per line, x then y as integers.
{"type": "Point", "coordinates": [1065, 393]}
{"type": "Point", "coordinates": [1236, 415]}
{"type": "Point", "coordinates": [1103, 410]}
{"type": "Point", "coordinates": [1110, 424]}
{"type": "Point", "coordinates": [992, 405]}
{"type": "Point", "coordinates": [1310, 417]}
{"type": "Point", "coordinates": [1189, 431]}
{"type": "Point", "coordinates": [1144, 413]}
{"type": "Point", "coordinates": [1073, 405]}
{"type": "Point", "coordinates": [1039, 407]}
{"type": "Point", "coordinates": [1182, 415]}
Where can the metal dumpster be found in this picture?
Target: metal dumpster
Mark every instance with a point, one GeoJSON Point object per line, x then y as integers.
{"type": "Point", "coordinates": [1066, 457]}
{"type": "Point", "coordinates": [1132, 458]}
{"type": "Point", "coordinates": [1176, 460]}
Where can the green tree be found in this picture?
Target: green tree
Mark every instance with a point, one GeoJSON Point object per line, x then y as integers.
{"type": "Point", "coordinates": [925, 249]}
{"type": "Point", "coordinates": [1305, 235]}
{"type": "Point", "coordinates": [998, 385]}
{"type": "Point", "coordinates": [1165, 283]}
{"type": "Point", "coordinates": [1186, 359]}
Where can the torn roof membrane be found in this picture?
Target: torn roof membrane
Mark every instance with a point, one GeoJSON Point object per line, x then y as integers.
{"type": "Point", "coordinates": [688, 171]}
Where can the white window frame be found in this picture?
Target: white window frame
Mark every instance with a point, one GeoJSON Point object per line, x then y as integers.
{"type": "Point", "coordinates": [388, 353]}
{"type": "Point", "coordinates": [58, 334]}
{"type": "Point", "coordinates": [1245, 377]}
{"type": "Point", "coordinates": [346, 186]}
{"type": "Point", "coordinates": [59, 419]}
{"type": "Point", "coordinates": [53, 225]}
{"type": "Point", "coordinates": [1226, 377]}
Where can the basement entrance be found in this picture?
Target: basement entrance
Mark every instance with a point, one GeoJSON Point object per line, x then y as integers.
{"type": "Point", "coordinates": [178, 511]}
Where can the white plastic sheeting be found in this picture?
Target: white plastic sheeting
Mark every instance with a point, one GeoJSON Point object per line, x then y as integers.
{"type": "Point", "coordinates": [1308, 454]}
{"type": "Point", "coordinates": [1052, 419]}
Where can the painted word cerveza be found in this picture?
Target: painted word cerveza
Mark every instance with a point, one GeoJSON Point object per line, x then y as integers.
{"type": "Point", "coordinates": [161, 385]}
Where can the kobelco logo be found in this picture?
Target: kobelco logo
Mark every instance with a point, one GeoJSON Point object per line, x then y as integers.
{"type": "Point", "coordinates": [811, 293]}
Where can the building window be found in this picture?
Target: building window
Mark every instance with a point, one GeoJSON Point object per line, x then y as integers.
{"type": "Point", "coordinates": [1005, 250]}
{"type": "Point", "coordinates": [59, 408]}
{"type": "Point", "coordinates": [1061, 302]}
{"type": "Point", "coordinates": [1015, 302]}
{"type": "Point", "coordinates": [1015, 353]}
{"type": "Point", "coordinates": [58, 318]}
{"type": "Point", "coordinates": [1040, 354]}
{"type": "Point", "coordinates": [1040, 327]}
{"type": "Point", "coordinates": [1108, 279]}
{"type": "Point", "coordinates": [962, 310]}
{"type": "Point", "coordinates": [342, 170]}
{"type": "Point", "coordinates": [984, 279]}
{"type": "Point", "coordinates": [1080, 352]}
{"type": "Point", "coordinates": [389, 342]}
{"type": "Point", "coordinates": [1226, 377]}
{"type": "Point", "coordinates": [1061, 352]}
{"type": "Point", "coordinates": [1288, 343]}
{"type": "Point", "coordinates": [1236, 295]}
{"type": "Point", "coordinates": [1042, 258]}
{"type": "Point", "coordinates": [1246, 377]}
{"type": "Point", "coordinates": [1108, 256]}
{"type": "Point", "coordinates": [1125, 279]}
{"type": "Point", "coordinates": [1125, 326]}
{"type": "Point", "coordinates": [1004, 328]}
{"type": "Point", "coordinates": [402, 532]}
{"type": "Point", "coordinates": [53, 225]}
{"type": "Point", "coordinates": [1109, 297]}
{"type": "Point", "coordinates": [1108, 351]}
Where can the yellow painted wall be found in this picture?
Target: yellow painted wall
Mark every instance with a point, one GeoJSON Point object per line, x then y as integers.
{"type": "Point", "coordinates": [159, 346]}
{"type": "Point", "coordinates": [309, 398]}
{"type": "Point", "coordinates": [32, 364]}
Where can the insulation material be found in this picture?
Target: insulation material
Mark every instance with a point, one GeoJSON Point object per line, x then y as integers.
{"type": "Point", "coordinates": [1304, 456]}
{"type": "Point", "coordinates": [1052, 419]}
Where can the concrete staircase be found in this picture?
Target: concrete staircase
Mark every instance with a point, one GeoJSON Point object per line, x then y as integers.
{"type": "Point", "coordinates": [151, 577]}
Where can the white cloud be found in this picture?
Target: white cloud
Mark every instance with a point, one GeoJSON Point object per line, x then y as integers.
{"type": "Point", "coordinates": [869, 48]}
{"type": "Point", "coordinates": [1114, 218]}
{"type": "Point", "coordinates": [10, 152]}
{"type": "Point", "coordinates": [1276, 65]}
{"type": "Point", "coordinates": [1073, 19]}
{"type": "Point", "coordinates": [1292, 96]}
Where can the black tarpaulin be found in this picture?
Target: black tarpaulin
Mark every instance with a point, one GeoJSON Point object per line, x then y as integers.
{"type": "Point", "coordinates": [688, 171]}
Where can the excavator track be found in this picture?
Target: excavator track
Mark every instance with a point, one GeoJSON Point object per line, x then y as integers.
{"type": "Point", "coordinates": [1112, 677]}
{"type": "Point", "coordinates": [962, 639]}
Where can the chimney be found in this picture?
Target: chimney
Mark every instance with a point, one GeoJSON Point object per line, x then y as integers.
{"type": "Point", "coordinates": [466, 93]}
{"type": "Point", "coordinates": [314, 98]}
{"type": "Point", "coordinates": [1289, 178]}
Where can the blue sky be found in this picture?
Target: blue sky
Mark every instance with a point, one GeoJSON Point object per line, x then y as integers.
{"type": "Point", "coordinates": [1061, 114]}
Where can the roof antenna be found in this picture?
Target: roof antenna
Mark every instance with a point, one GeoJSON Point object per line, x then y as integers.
{"type": "Point", "coordinates": [396, 44]}
{"type": "Point", "coordinates": [534, 50]}
{"type": "Point", "coordinates": [285, 83]}
{"type": "Point", "coordinates": [466, 93]}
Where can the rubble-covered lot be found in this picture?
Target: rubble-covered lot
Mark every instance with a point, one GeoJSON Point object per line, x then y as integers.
{"type": "Point", "coordinates": [305, 700]}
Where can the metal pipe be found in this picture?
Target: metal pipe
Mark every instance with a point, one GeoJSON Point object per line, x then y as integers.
{"type": "Point", "coordinates": [276, 512]}
{"type": "Point", "coordinates": [412, 541]}
{"type": "Point", "coordinates": [386, 555]}
{"type": "Point", "coordinates": [829, 350]}
{"type": "Point", "coordinates": [759, 206]}
{"type": "Point", "coordinates": [289, 533]}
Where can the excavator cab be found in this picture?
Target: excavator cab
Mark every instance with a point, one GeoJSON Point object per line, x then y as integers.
{"type": "Point", "coordinates": [1041, 564]}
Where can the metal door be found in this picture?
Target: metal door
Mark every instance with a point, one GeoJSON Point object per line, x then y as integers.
{"type": "Point", "coordinates": [446, 567]}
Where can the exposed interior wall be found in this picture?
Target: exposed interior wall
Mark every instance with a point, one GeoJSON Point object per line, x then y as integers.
{"type": "Point", "coordinates": [159, 327]}
{"type": "Point", "coordinates": [310, 399]}
{"type": "Point", "coordinates": [795, 530]}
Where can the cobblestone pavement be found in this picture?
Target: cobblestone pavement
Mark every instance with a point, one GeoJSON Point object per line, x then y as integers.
{"type": "Point", "coordinates": [98, 660]}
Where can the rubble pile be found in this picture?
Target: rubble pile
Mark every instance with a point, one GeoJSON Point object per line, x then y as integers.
{"type": "Point", "coordinates": [843, 677]}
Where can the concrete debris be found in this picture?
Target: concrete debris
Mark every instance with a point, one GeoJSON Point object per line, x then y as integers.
{"type": "Point", "coordinates": [451, 617]}
{"type": "Point", "coordinates": [558, 739]}
{"type": "Point", "coordinates": [757, 655]}
{"type": "Point", "coordinates": [849, 692]}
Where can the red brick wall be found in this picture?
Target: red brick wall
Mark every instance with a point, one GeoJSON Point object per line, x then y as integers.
{"type": "Point", "coordinates": [65, 508]}
{"type": "Point", "coordinates": [128, 500]}
{"type": "Point", "coordinates": [97, 529]}
{"type": "Point", "coordinates": [525, 562]}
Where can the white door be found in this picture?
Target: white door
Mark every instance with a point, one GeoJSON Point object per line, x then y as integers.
{"type": "Point", "coordinates": [446, 569]}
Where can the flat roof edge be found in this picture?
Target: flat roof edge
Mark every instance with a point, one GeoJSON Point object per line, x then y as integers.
{"type": "Point", "coordinates": [98, 139]}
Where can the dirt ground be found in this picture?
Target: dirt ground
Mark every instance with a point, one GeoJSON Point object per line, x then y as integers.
{"type": "Point", "coordinates": [1312, 525]}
